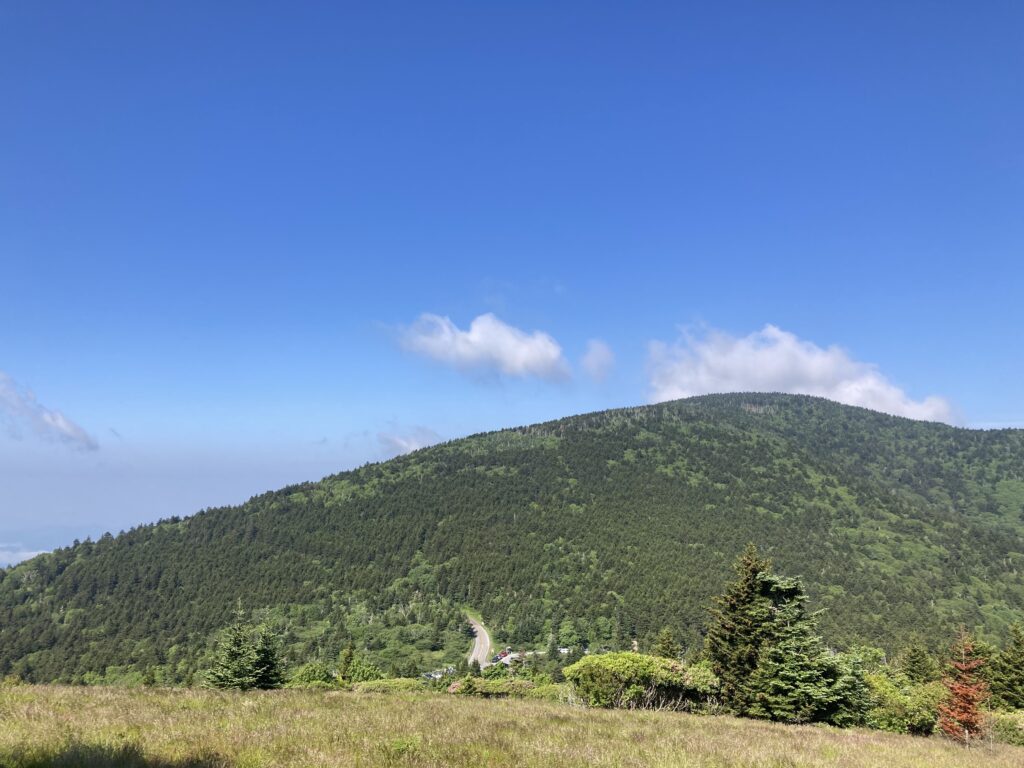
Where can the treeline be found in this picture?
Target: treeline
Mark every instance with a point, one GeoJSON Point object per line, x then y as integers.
{"type": "Point", "coordinates": [599, 530]}
{"type": "Point", "coordinates": [762, 657]}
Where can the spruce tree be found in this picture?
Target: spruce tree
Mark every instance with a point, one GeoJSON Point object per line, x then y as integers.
{"type": "Point", "coordinates": [1007, 672]}
{"type": "Point", "coordinates": [246, 657]}
{"type": "Point", "coordinates": [960, 716]}
{"type": "Point", "coordinates": [850, 699]}
{"type": "Point", "coordinates": [917, 663]}
{"type": "Point", "coordinates": [267, 667]}
{"type": "Point", "coordinates": [234, 661]}
{"type": "Point", "coordinates": [552, 651]}
{"type": "Point", "coordinates": [765, 651]}
{"type": "Point", "coordinates": [345, 661]}
{"type": "Point", "coordinates": [666, 645]}
{"type": "Point", "coordinates": [788, 683]}
{"type": "Point", "coordinates": [741, 622]}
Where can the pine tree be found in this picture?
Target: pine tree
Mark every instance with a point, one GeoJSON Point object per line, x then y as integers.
{"type": "Point", "coordinates": [960, 716]}
{"type": "Point", "coordinates": [666, 645]}
{"type": "Point", "coordinates": [1007, 672]}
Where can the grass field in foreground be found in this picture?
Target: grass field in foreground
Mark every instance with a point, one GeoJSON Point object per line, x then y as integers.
{"type": "Point", "coordinates": [57, 726]}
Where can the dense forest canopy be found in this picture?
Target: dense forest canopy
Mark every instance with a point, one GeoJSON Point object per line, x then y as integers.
{"type": "Point", "coordinates": [597, 529]}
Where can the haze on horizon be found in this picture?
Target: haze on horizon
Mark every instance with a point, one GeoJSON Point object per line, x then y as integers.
{"type": "Point", "coordinates": [242, 248]}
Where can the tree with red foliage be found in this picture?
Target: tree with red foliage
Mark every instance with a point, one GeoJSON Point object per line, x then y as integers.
{"type": "Point", "coordinates": [960, 716]}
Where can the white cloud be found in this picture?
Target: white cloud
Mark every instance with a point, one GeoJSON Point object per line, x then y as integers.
{"type": "Point", "coordinates": [773, 360]}
{"type": "Point", "coordinates": [489, 344]}
{"type": "Point", "coordinates": [397, 443]}
{"type": "Point", "coordinates": [12, 554]}
{"type": "Point", "coordinates": [19, 410]}
{"type": "Point", "coordinates": [598, 359]}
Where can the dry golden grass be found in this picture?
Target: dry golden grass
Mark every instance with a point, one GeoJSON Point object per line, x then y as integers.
{"type": "Point", "coordinates": [56, 726]}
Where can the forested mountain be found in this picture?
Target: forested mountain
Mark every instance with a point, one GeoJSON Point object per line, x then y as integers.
{"type": "Point", "coordinates": [600, 528]}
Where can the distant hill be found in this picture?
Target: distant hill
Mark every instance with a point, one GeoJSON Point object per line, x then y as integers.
{"type": "Point", "coordinates": [602, 528]}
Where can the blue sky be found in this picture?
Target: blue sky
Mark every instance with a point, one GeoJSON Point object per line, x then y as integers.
{"type": "Point", "coordinates": [252, 244]}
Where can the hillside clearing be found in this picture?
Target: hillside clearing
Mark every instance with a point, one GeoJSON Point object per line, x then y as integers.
{"type": "Point", "coordinates": [44, 726]}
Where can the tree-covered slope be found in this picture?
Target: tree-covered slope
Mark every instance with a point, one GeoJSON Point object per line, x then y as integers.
{"type": "Point", "coordinates": [603, 528]}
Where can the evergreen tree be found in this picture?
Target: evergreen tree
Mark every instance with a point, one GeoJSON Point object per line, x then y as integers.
{"type": "Point", "coordinates": [345, 661]}
{"type": "Point", "coordinates": [771, 663]}
{"type": "Point", "coordinates": [575, 654]}
{"type": "Point", "coordinates": [552, 653]}
{"type": "Point", "coordinates": [917, 663]}
{"type": "Point", "coordinates": [354, 668]}
{"type": "Point", "coordinates": [1007, 672]}
{"type": "Point", "coordinates": [234, 661]}
{"type": "Point", "coordinates": [850, 697]}
{"type": "Point", "coordinates": [666, 645]}
{"type": "Point", "coordinates": [960, 716]}
{"type": "Point", "coordinates": [246, 657]}
{"type": "Point", "coordinates": [268, 667]}
{"type": "Point", "coordinates": [789, 683]}
{"type": "Point", "coordinates": [740, 625]}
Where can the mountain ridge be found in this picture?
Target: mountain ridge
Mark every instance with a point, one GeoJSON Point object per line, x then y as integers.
{"type": "Point", "coordinates": [597, 528]}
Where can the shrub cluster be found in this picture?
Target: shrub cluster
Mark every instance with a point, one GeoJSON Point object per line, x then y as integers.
{"type": "Point", "coordinates": [634, 680]}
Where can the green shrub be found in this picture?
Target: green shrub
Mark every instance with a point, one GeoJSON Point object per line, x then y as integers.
{"type": "Point", "coordinates": [541, 678]}
{"type": "Point", "coordinates": [316, 674]}
{"type": "Point", "coordinates": [496, 672]}
{"type": "Point", "coordinates": [391, 685]}
{"type": "Point", "coordinates": [560, 692]}
{"type": "Point", "coordinates": [634, 680]}
{"type": "Point", "coordinates": [493, 689]}
{"type": "Point", "coordinates": [701, 678]}
{"type": "Point", "coordinates": [901, 706]}
{"type": "Point", "coordinates": [363, 671]}
{"type": "Point", "coordinates": [1008, 727]}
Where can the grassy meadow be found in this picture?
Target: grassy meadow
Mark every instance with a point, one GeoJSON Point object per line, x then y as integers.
{"type": "Point", "coordinates": [165, 728]}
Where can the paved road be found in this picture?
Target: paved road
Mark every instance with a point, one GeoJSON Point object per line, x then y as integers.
{"type": "Point", "coordinates": [481, 645]}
